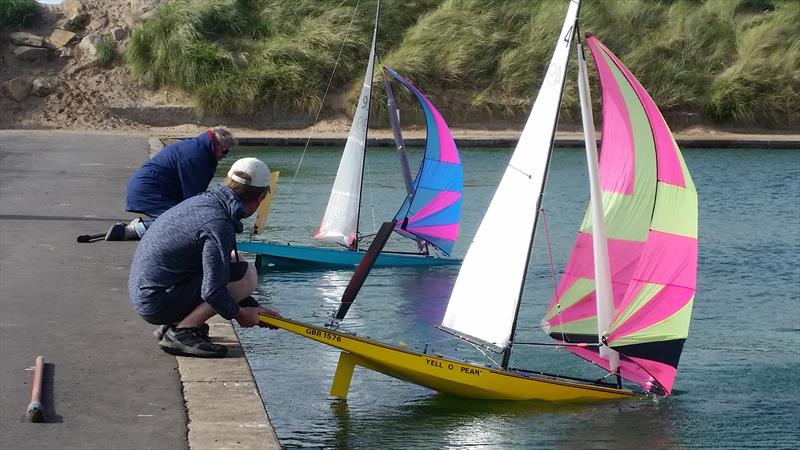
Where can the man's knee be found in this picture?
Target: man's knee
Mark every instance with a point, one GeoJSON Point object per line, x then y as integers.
{"type": "Point", "coordinates": [250, 278]}
{"type": "Point", "coordinates": [244, 286]}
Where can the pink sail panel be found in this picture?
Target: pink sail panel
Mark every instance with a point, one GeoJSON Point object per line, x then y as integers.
{"type": "Point", "coordinates": [617, 160]}
{"type": "Point", "coordinates": [670, 169]}
{"type": "Point", "coordinates": [435, 231]}
{"type": "Point", "coordinates": [637, 371]}
{"type": "Point", "coordinates": [447, 145]}
{"type": "Point", "coordinates": [622, 255]}
{"type": "Point", "coordinates": [442, 200]}
{"type": "Point", "coordinates": [669, 301]}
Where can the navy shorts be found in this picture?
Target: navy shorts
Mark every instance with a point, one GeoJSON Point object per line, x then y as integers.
{"type": "Point", "coordinates": [181, 299]}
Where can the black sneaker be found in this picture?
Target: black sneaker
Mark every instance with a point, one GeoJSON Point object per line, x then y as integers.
{"type": "Point", "coordinates": [161, 329]}
{"type": "Point", "coordinates": [191, 342]}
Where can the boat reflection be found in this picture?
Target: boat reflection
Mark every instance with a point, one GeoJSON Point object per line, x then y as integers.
{"type": "Point", "coordinates": [464, 423]}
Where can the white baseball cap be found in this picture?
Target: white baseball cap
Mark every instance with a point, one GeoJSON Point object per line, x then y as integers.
{"type": "Point", "coordinates": [258, 171]}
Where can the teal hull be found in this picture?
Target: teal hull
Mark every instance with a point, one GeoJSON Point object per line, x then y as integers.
{"type": "Point", "coordinates": [274, 256]}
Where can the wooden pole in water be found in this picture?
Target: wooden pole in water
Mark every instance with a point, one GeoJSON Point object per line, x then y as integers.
{"type": "Point", "coordinates": [35, 410]}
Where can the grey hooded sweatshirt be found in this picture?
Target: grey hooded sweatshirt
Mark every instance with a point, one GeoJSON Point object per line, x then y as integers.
{"type": "Point", "coordinates": [196, 236]}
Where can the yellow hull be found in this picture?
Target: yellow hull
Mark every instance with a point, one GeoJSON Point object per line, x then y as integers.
{"type": "Point", "coordinates": [441, 374]}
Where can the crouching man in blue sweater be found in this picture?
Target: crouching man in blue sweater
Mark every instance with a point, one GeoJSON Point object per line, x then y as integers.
{"type": "Point", "coordinates": [182, 273]}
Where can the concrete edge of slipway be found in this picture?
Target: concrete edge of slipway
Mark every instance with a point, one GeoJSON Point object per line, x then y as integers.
{"type": "Point", "coordinates": [223, 405]}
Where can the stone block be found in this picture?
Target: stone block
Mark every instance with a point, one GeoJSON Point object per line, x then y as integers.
{"type": "Point", "coordinates": [18, 88]}
{"type": "Point", "coordinates": [61, 38]}
{"type": "Point", "coordinates": [42, 87]}
{"type": "Point", "coordinates": [30, 53]}
{"type": "Point", "coordinates": [26, 39]}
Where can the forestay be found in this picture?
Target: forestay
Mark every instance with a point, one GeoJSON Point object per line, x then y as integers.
{"type": "Point", "coordinates": [432, 211]}
{"type": "Point", "coordinates": [486, 294]}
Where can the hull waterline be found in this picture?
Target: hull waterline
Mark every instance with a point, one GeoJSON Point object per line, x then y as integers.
{"type": "Point", "coordinates": [441, 374]}
{"type": "Point", "coordinates": [286, 257]}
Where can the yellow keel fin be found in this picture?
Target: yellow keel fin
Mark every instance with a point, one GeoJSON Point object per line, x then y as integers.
{"type": "Point", "coordinates": [343, 375]}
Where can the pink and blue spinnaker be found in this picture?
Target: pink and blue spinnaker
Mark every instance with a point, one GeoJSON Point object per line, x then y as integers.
{"type": "Point", "coordinates": [433, 211]}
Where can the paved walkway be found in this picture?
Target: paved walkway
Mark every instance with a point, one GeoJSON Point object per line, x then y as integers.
{"type": "Point", "coordinates": [107, 385]}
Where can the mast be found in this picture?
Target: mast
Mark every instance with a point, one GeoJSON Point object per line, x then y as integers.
{"type": "Point", "coordinates": [603, 291]}
{"type": "Point", "coordinates": [372, 51]}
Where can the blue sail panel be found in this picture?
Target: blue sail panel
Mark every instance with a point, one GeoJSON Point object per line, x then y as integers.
{"type": "Point", "coordinates": [433, 211]}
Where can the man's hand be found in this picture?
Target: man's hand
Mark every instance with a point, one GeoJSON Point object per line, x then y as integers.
{"type": "Point", "coordinates": [248, 316]}
{"type": "Point", "coordinates": [272, 313]}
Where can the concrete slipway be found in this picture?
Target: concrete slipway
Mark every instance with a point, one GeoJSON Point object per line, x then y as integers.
{"type": "Point", "coordinates": [106, 383]}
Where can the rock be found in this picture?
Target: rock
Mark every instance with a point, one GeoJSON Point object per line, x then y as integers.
{"type": "Point", "coordinates": [60, 38]}
{"type": "Point", "coordinates": [119, 34]}
{"type": "Point", "coordinates": [42, 87]}
{"type": "Point", "coordinates": [98, 23]}
{"type": "Point", "coordinates": [30, 53]}
{"type": "Point", "coordinates": [18, 88]}
{"type": "Point", "coordinates": [74, 14]}
{"type": "Point", "coordinates": [26, 39]}
{"type": "Point", "coordinates": [88, 45]}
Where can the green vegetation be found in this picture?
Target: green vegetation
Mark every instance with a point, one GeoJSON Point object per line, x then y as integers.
{"type": "Point", "coordinates": [17, 12]}
{"type": "Point", "coordinates": [106, 50]}
{"type": "Point", "coordinates": [731, 61]}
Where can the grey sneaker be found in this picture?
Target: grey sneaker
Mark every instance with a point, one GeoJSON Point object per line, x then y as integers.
{"type": "Point", "coordinates": [191, 342]}
{"type": "Point", "coordinates": [161, 329]}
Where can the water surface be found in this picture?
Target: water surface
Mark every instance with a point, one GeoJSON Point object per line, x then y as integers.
{"type": "Point", "coordinates": [738, 383]}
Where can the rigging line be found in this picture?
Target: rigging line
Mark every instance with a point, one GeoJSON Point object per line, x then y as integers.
{"type": "Point", "coordinates": [529, 176]}
{"type": "Point", "coordinates": [325, 94]}
{"type": "Point", "coordinates": [485, 355]}
{"type": "Point", "coordinates": [552, 271]}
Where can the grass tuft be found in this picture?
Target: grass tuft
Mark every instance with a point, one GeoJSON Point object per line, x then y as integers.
{"type": "Point", "coordinates": [17, 13]}
{"type": "Point", "coordinates": [730, 61]}
{"type": "Point", "coordinates": [106, 50]}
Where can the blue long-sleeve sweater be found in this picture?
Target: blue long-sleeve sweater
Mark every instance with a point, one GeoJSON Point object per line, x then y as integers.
{"type": "Point", "coordinates": [177, 172]}
{"type": "Point", "coordinates": [196, 236]}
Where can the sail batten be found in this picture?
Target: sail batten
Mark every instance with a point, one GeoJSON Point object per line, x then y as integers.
{"type": "Point", "coordinates": [433, 211]}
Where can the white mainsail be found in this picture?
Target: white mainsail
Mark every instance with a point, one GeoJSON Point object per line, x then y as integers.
{"type": "Point", "coordinates": [340, 222]}
{"type": "Point", "coordinates": [486, 294]}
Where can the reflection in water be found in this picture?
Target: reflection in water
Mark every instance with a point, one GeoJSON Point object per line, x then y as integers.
{"type": "Point", "coordinates": [330, 288]}
{"type": "Point", "coordinates": [426, 292]}
{"type": "Point", "coordinates": [461, 423]}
